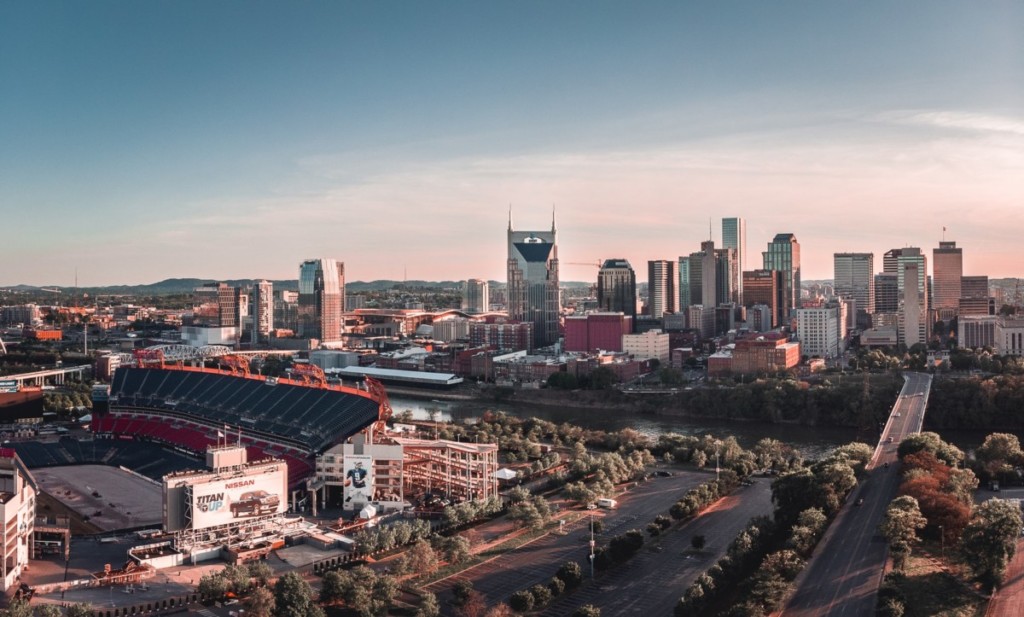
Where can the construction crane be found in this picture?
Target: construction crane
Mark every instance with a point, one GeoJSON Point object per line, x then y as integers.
{"type": "Point", "coordinates": [596, 264]}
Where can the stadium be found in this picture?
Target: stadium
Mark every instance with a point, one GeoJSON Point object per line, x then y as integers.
{"type": "Point", "coordinates": [194, 407]}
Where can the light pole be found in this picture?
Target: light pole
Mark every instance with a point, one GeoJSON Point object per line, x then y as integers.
{"type": "Point", "coordinates": [718, 469]}
{"type": "Point", "coordinates": [591, 546]}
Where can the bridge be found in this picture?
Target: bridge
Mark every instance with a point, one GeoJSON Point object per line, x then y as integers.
{"type": "Point", "coordinates": [57, 375]}
{"type": "Point", "coordinates": [188, 353]}
{"type": "Point", "coordinates": [843, 575]}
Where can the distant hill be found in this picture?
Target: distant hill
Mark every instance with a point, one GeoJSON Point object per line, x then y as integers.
{"type": "Point", "coordinates": [186, 285]}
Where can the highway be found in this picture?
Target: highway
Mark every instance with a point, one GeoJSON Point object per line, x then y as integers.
{"type": "Point", "coordinates": [843, 576]}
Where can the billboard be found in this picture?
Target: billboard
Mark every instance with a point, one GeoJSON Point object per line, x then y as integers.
{"type": "Point", "coordinates": [358, 487]}
{"type": "Point", "coordinates": [232, 500]}
{"type": "Point", "coordinates": [8, 386]}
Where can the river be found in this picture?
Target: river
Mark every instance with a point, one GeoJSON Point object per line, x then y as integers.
{"type": "Point", "coordinates": [812, 442]}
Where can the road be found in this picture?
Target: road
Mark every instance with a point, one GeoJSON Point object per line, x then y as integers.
{"type": "Point", "coordinates": [652, 582]}
{"type": "Point", "coordinates": [843, 576]}
{"type": "Point", "coordinates": [538, 561]}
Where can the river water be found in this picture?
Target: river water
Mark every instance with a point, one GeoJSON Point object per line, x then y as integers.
{"type": "Point", "coordinates": [812, 442]}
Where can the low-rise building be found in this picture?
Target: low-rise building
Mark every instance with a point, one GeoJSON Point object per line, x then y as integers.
{"type": "Point", "coordinates": [651, 345]}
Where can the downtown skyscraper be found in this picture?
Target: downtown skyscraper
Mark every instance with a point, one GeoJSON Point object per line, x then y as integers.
{"type": "Point", "coordinates": [661, 287]}
{"type": "Point", "coordinates": [616, 288]}
{"type": "Point", "coordinates": [734, 236]}
{"type": "Point", "coordinates": [854, 280]}
{"type": "Point", "coordinates": [262, 311]}
{"type": "Point", "coordinates": [947, 279]}
{"type": "Point", "coordinates": [783, 254]}
{"type": "Point", "coordinates": [533, 293]}
{"type": "Point", "coordinates": [321, 299]}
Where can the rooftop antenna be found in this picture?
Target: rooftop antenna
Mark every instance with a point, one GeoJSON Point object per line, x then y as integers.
{"type": "Point", "coordinates": [510, 216]}
{"type": "Point", "coordinates": [552, 218]}
{"type": "Point", "coordinates": [710, 227]}
{"type": "Point", "coordinates": [943, 233]}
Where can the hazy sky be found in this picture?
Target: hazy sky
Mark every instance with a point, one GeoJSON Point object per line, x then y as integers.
{"type": "Point", "coordinates": [147, 140]}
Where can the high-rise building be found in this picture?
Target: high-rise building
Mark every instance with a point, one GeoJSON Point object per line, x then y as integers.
{"type": "Point", "coordinates": [661, 287]}
{"type": "Point", "coordinates": [854, 273]}
{"type": "Point", "coordinates": [685, 299]}
{"type": "Point", "coordinates": [912, 313]}
{"type": "Point", "coordinates": [727, 277]}
{"type": "Point", "coordinates": [321, 299]}
{"type": "Point", "coordinates": [783, 254]}
{"type": "Point", "coordinates": [475, 296]}
{"type": "Point", "coordinates": [709, 275]}
{"type": "Point", "coordinates": [734, 236]}
{"type": "Point", "coordinates": [915, 256]}
{"type": "Point", "coordinates": [974, 287]}
{"type": "Point", "coordinates": [947, 271]}
{"type": "Point", "coordinates": [616, 288]}
{"type": "Point", "coordinates": [216, 306]}
{"type": "Point", "coordinates": [533, 293]}
{"type": "Point", "coordinates": [694, 280]}
{"type": "Point", "coordinates": [890, 261]}
{"type": "Point", "coordinates": [765, 287]}
{"type": "Point", "coordinates": [887, 292]}
{"type": "Point", "coordinates": [262, 311]}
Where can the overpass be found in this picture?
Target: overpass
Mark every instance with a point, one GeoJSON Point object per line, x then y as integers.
{"type": "Point", "coordinates": [843, 575]}
{"type": "Point", "coordinates": [57, 375]}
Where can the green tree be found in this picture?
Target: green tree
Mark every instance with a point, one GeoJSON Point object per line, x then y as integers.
{"type": "Point", "coordinates": [261, 572]}
{"type": "Point", "coordinates": [84, 610]}
{"type": "Point", "coordinates": [213, 586]}
{"type": "Point", "coordinates": [456, 549]}
{"type": "Point", "coordinates": [421, 558]}
{"type": "Point", "coordinates": [18, 608]}
{"type": "Point", "coordinates": [461, 591]}
{"type": "Point", "coordinates": [587, 610]}
{"type": "Point", "coordinates": [238, 578]}
{"type": "Point", "coordinates": [1000, 453]}
{"type": "Point", "coordinates": [571, 574]}
{"type": "Point", "coordinates": [294, 598]}
{"type": "Point", "coordinates": [990, 540]}
{"type": "Point", "coordinates": [428, 606]}
{"type": "Point", "coordinates": [521, 601]}
{"type": "Point", "coordinates": [902, 520]}
{"type": "Point", "coordinates": [48, 610]}
{"type": "Point", "coordinates": [336, 586]}
{"type": "Point", "coordinates": [260, 603]}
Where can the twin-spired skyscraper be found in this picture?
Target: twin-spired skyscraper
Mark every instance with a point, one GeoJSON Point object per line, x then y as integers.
{"type": "Point", "coordinates": [533, 294]}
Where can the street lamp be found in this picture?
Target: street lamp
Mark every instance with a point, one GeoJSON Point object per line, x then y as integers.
{"type": "Point", "coordinates": [591, 546]}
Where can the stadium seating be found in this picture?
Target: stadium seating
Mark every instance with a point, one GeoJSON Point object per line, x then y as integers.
{"type": "Point", "coordinates": [187, 408]}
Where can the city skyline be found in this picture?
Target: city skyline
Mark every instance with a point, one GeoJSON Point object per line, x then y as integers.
{"type": "Point", "coordinates": [211, 148]}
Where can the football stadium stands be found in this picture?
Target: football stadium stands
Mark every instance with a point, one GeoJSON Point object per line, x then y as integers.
{"type": "Point", "coordinates": [193, 408]}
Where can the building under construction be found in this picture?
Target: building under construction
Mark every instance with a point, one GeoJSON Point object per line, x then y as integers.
{"type": "Point", "coordinates": [398, 470]}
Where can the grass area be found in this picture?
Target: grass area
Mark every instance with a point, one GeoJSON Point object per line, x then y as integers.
{"type": "Point", "coordinates": [931, 591]}
{"type": "Point", "coordinates": [509, 545]}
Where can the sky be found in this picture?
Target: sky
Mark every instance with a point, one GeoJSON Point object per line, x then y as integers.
{"type": "Point", "coordinates": [147, 140]}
